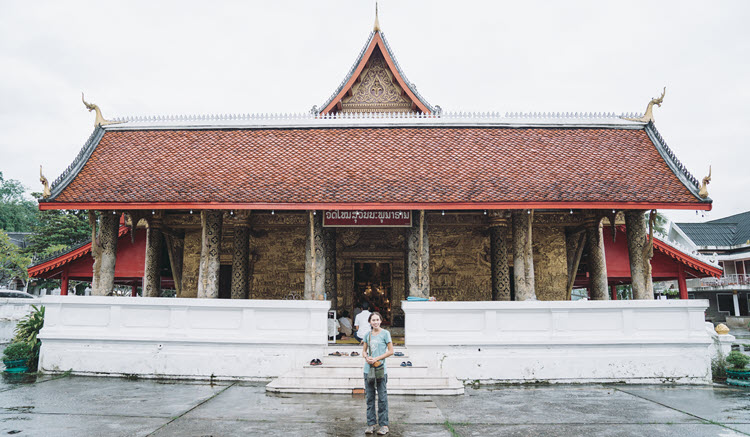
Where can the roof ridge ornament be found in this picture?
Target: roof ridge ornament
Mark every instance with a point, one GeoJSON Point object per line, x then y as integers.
{"type": "Point", "coordinates": [376, 27]}
{"type": "Point", "coordinates": [704, 186]}
{"type": "Point", "coordinates": [45, 183]}
{"type": "Point", "coordinates": [649, 115]}
{"type": "Point", "coordinates": [99, 121]}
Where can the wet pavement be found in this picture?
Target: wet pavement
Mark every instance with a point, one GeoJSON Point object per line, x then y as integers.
{"type": "Point", "coordinates": [90, 406]}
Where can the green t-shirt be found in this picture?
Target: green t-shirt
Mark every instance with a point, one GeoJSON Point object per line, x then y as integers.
{"type": "Point", "coordinates": [378, 346]}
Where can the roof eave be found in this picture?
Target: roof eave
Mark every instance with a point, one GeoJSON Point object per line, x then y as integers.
{"type": "Point", "coordinates": [679, 170]}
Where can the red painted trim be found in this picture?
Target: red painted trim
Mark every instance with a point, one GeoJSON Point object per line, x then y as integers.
{"type": "Point", "coordinates": [686, 260]}
{"type": "Point", "coordinates": [613, 288]}
{"type": "Point", "coordinates": [376, 41]}
{"type": "Point", "coordinates": [37, 270]}
{"type": "Point", "coordinates": [298, 206]}
{"type": "Point", "coordinates": [64, 284]}
{"type": "Point", "coordinates": [681, 282]}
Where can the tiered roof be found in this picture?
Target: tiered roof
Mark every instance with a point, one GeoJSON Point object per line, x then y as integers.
{"type": "Point", "coordinates": [343, 158]}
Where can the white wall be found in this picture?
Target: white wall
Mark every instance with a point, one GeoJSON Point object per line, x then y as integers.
{"type": "Point", "coordinates": [11, 311]}
{"type": "Point", "coordinates": [188, 338]}
{"type": "Point", "coordinates": [582, 341]}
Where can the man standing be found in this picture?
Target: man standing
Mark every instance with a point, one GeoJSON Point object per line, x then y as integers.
{"type": "Point", "coordinates": [361, 323]}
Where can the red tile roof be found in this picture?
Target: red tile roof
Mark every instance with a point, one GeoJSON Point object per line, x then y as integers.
{"type": "Point", "coordinates": [376, 165]}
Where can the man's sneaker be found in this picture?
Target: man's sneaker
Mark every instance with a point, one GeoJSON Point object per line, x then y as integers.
{"type": "Point", "coordinates": [383, 430]}
{"type": "Point", "coordinates": [370, 429]}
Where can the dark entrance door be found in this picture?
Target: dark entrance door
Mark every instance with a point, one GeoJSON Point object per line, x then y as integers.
{"type": "Point", "coordinates": [372, 284]}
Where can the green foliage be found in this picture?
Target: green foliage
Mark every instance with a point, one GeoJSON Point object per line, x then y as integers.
{"type": "Point", "coordinates": [27, 330]}
{"type": "Point", "coordinates": [17, 214]}
{"type": "Point", "coordinates": [17, 351]}
{"type": "Point", "coordinates": [738, 360]}
{"type": "Point", "coordinates": [58, 229]}
{"type": "Point", "coordinates": [719, 368]}
{"type": "Point", "coordinates": [12, 261]}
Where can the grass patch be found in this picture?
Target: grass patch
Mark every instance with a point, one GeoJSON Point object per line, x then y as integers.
{"type": "Point", "coordinates": [449, 426]}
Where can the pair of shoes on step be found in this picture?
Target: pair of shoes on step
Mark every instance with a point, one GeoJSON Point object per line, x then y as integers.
{"type": "Point", "coordinates": [335, 354]}
{"type": "Point", "coordinates": [315, 362]}
{"type": "Point", "coordinates": [355, 354]}
{"type": "Point", "coordinates": [382, 431]}
{"type": "Point", "coordinates": [398, 354]}
{"type": "Point", "coordinates": [405, 363]}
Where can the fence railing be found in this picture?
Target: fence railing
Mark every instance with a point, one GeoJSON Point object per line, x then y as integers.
{"type": "Point", "coordinates": [725, 281]}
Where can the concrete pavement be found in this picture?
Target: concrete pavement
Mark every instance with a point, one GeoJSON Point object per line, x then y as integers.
{"type": "Point", "coordinates": [89, 406]}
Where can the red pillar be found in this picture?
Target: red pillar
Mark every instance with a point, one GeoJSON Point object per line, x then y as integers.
{"type": "Point", "coordinates": [134, 290]}
{"type": "Point", "coordinates": [614, 292]}
{"type": "Point", "coordinates": [681, 283]}
{"type": "Point", "coordinates": [64, 285]}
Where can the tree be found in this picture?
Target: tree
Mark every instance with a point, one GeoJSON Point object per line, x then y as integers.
{"type": "Point", "coordinates": [13, 263]}
{"type": "Point", "coordinates": [17, 214]}
{"type": "Point", "coordinates": [56, 230]}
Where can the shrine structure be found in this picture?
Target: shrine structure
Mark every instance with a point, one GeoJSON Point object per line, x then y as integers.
{"type": "Point", "coordinates": [378, 196]}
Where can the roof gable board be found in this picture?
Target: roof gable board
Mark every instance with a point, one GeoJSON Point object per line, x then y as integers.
{"type": "Point", "coordinates": [376, 45]}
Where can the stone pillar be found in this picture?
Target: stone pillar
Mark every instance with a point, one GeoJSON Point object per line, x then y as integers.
{"type": "Point", "coordinates": [151, 271]}
{"type": "Point", "coordinates": [240, 256]}
{"type": "Point", "coordinates": [106, 252]}
{"type": "Point", "coordinates": [597, 263]}
{"type": "Point", "coordinates": [315, 262]}
{"type": "Point", "coordinates": [418, 258]}
{"type": "Point", "coordinates": [329, 236]}
{"type": "Point", "coordinates": [523, 257]}
{"type": "Point", "coordinates": [208, 273]}
{"type": "Point", "coordinates": [636, 235]}
{"type": "Point", "coordinates": [499, 221]}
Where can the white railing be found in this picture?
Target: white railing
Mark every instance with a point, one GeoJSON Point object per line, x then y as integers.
{"type": "Point", "coordinates": [188, 338]}
{"type": "Point", "coordinates": [725, 281]}
{"type": "Point", "coordinates": [582, 341]}
{"type": "Point", "coordinates": [11, 311]}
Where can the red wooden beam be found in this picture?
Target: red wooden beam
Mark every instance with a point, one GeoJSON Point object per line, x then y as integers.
{"type": "Point", "coordinates": [681, 282]}
{"type": "Point", "coordinates": [369, 206]}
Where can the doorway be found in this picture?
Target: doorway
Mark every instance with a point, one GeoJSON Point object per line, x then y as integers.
{"type": "Point", "coordinates": [373, 284]}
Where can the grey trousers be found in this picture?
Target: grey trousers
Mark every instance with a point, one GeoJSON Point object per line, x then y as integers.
{"type": "Point", "coordinates": [370, 388]}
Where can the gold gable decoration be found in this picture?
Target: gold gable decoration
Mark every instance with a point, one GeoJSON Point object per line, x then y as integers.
{"type": "Point", "coordinates": [376, 90]}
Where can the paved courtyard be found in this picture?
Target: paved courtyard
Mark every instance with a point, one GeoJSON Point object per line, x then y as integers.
{"type": "Point", "coordinates": [88, 406]}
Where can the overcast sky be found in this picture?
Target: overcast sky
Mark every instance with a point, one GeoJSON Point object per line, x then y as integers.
{"type": "Point", "coordinates": [191, 57]}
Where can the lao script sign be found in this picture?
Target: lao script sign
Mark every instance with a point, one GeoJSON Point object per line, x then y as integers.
{"type": "Point", "coordinates": [367, 218]}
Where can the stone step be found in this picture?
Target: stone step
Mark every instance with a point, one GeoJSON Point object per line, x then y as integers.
{"type": "Point", "coordinates": [358, 382]}
{"type": "Point", "coordinates": [360, 362]}
{"type": "Point", "coordinates": [453, 391]}
{"type": "Point", "coordinates": [343, 374]}
{"type": "Point", "coordinates": [356, 371]}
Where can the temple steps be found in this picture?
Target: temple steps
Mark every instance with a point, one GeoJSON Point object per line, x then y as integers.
{"type": "Point", "coordinates": [343, 375]}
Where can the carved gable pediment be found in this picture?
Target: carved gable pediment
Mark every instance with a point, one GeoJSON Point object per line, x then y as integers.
{"type": "Point", "coordinates": [376, 90]}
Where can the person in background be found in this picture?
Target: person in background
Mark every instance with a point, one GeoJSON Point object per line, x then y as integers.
{"type": "Point", "coordinates": [333, 327]}
{"type": "Point", "coordinates": [345, 324]}
{"type": "Point", "coordinates": [361, 322]}
{"type": "Point", "coordinates": [357, 309]}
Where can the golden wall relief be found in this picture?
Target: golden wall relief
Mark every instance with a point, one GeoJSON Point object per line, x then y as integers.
{"type": "Point", "coordinates": [460, 263]}
{"type": "Point", "coordinates": [550, 262]}
{"type": "Point", "coordinates": [279, 262]}
{"type": "Point", "coordinates": [190, 263]}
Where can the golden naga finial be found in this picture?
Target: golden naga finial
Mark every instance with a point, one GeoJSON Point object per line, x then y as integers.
{"type": "Point", "coordinates": [649, 115]}
{"type": "Point", "coordinates": [100, 121]}
{"type": "Point", "coordinates": [376, 27]}
{"type": "Point", "coordinates": [45, 183]}
{"type": "Point", "coordinates": [704, 186]}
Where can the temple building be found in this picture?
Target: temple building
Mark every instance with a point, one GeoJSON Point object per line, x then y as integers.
{"type": "Point", "coordinates": [377, 195]}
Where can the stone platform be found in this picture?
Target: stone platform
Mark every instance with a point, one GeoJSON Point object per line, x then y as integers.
{"type": "Point", "coordinates": [344, 375]}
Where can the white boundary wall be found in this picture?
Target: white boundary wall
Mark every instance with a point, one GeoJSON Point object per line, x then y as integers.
{"type": "Point", "coordinates": [11, 311]}
{"type": "Point", "coordinates": [181, 338]}
{"type": "Point", "coordinates": [582, 341]}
